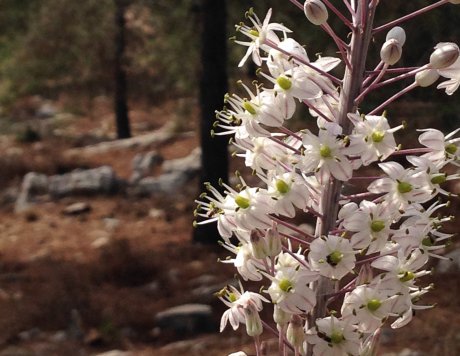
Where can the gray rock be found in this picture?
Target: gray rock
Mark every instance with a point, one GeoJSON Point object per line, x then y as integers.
{"type": "Point", "coordinates": [28, 335]}
{"type": "Point", "coordinates": [162, 185]}
{"type": "Point", "coordinates": [143, 163]}
{"type": "Point", "coordinates": [46, 110]}
{"type": "Point", "coordinates": [115, 353]}
{"type": "Point", "coordinates": [190, 163]}
{"type": "Point", "coordinates": [186, 319]}
{"type": "Point", "coordinates": [101, 180]}
{"type": "Point", "coordinates": [77, 208]}
{"type": "Point", "coordinates": [33, 184]}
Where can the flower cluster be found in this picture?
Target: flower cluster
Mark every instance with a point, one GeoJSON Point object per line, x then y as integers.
{"type": "Point", "coordinates": [370, 248]}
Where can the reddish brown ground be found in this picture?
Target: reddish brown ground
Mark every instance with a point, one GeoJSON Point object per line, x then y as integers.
{"type": "Point", "coordinates": [51, 264]}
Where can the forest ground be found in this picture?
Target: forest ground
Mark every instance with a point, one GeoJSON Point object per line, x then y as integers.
{"type": "Point", "coordinates": [84, 284]}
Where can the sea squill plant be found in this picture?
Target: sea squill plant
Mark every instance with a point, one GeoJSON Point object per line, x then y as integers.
{"type": "Point", "coordinates": [332, 289]}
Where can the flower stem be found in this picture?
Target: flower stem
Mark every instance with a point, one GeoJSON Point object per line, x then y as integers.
{"type": "Point", "coordinates": [338, 13]}
{"type": "Point", "coordinates": [301, 60]}
{"type": "Point", "coordinates": [410, 16]}
{"type": "Point", "coordinates": [393, 98]}
{"type": "Point", "coordinates": [352, 84]}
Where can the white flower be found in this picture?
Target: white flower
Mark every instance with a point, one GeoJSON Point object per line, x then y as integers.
{"type": "Point", "coordinates": [246, 264]}
{"type": "Point", "coordinates": [237, 302]}
{"type": "Point", "coordinates": [453, 74]}
{"type": "Point", "coordinates": [367, 307]}
{"type": "Point", "coordinates": [372, 138]}
{"type": "Point", "coordinates": [370, 224]}
{"type": "Point", "coordinates": [442, 147]}
{"type": "Point", "coordinates": [238, 353]}
{"type": "Point", "coordinates": [402, 186]}
{"type": "Point", "coordinates": [432, 174]}
{"type": "Point", "coordinates": [323, 154]}
{"type": "Point", "coordinates": [334, 337]}
{"type": "Point", "coordinates": [401, 270]}
{"type": "Point", "coordinates": [288, 190]}
{"type": "Point", "coordinates": [259, 33]}
{"type": "Point", "coordinates": [289, 290]}
{"type": "Point", "coordinates": [332, 256]}
{"type": "Point", "coordinates": [262, 153]}
{"type": "Point", "coordinates": [278, 62]}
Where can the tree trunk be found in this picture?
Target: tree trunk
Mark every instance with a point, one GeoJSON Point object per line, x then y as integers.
{"type": "Point", "coordinates": [213, 86]}
{"type": "Point", "coordinates": [120, 99]}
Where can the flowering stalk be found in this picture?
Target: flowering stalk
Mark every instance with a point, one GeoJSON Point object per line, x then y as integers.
{"type": "Point", "coordinates": [381, 236]}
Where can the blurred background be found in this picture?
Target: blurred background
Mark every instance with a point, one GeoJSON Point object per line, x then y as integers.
{"type": "Point", "coordinates": [105, 112]}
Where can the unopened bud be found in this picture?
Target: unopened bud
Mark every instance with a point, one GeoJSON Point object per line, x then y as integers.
{"type": "Point", "coordinates": [456, 2]}
{"type": "Point", "coordinates": [253, 322]}
{"type": "Point", "coordinates": [295, 332]}
{"type": "Point", "coordinates": [258, 245]}
{"type": "Point", "coordinates": [397, 33]}
{"type": "Point", "coordinates": [391, 52]}
{"type": "Point", "coordinates": [315, 11]}
{"type": "Point", "coordinates": [280, 316]}
{"type": "Point", "coordinates": [365, 275]}
{"type": "Point", "coordinates": [445, 55]}
{"type": "Point", "coordinates": [273, 242]}
{"type": "Point", "coordinates": [426, 77]}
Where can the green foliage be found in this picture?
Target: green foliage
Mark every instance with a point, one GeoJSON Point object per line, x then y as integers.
{"type": "Point", "coordinates": [47, 46]}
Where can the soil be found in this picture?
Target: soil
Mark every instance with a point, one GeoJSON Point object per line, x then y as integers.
{"type": "Point", "coordinates": [84, 284]}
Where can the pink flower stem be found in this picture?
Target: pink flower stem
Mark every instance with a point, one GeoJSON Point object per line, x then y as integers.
{"type": "Point", "coordinates": [409, 16]}
{"type": "Point", "coordinates": [371, 86]}
{"type": "Point", "coordinates": [393, 98]}
{"type": "Point", "coordinates": [301, 60]}
{"type": "Point", "coordinates": [402, 76]}
{"type": "Point", "coordinates": [314, 212]}
{"type": "Point", "coordinates": [372, 258]}
{"type": "Point", "coordinates": [358, 196]}
{"type": "Point", "coordinates": [312, 107]}
{"type": "Point", "coordinates": [278, 141]}
{"type": "Point", "coordinates": [339, 43]}
{"type": "Point", "coordinates": [339, 14]}
{"type": "Point", "coordinates": [293, 238]}
{"type": "Point", "coordinates": [347, 4]}
{"type": "Point", "coordinates": [292, 227]}
{"type": "Point", "coordinates": [372, 74]}
{"type": "Point", "coordinates": [257, 346]}
{"type": "Point", "coordinates": [290, 133]}
{"type": "Point", "coordinates": [276, 333]}
{"type": "Point", "coordinates": [293, 255]}
{"type": "Point", "coordinates": [394, 70]}
{"type": "Point", "coordinates": [365, 177]}
{"type": "Point", "coordinates": [298, 4]}
{"type": "Point", "coordinates": [411, 151]}
{"type": "Point", "coordinates": [351, 87]}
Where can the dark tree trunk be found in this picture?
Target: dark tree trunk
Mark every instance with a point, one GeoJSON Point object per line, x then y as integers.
{"type": "Point", "coordinates": [213, 86]}
{"type": "Point", "coordinates": [120, 99]}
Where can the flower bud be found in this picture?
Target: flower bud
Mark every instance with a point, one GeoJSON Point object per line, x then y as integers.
{"type": "Point", "coordinates": [273, 242]}
{"type": "Point", "coordinates": [391, 52]}
{"type": "Point", "coordinates": [295, 332]}
{"type": "Point", "coordinates": [426, 77]}
{"type": "Point", "coordinates": [445, 55]}
{"type": "Point", "coordinates": [365, 275]}
{"type": "Point", "coordinates": [456, 2]}
{"type": "Point", "coordinates": [397, 33]}
{"type": "Point", "coordinates": [253, 322]}
{"type": "Point", "coordinates": [315, 11]}
{"type": "Point", "coordinates": [280, 316]}
{"type": "Point", "coordinates": [258, 246]}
